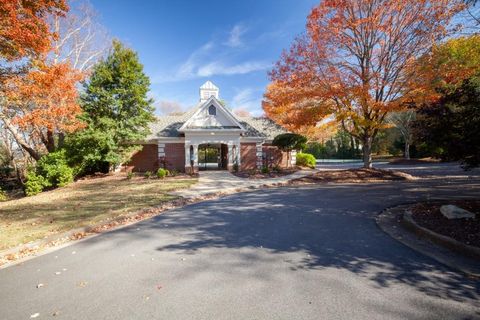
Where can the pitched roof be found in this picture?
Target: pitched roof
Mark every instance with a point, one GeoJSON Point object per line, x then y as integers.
{"type": "Point", "coordinates": [168, 126]}
{"type": "Point", "coordinates": [209, 85]}
{"type": "Point", "coordinates": [223, 119]}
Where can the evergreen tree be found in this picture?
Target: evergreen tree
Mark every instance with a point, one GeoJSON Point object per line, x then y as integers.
{"type": "Point", "coordinates": [117, 110]}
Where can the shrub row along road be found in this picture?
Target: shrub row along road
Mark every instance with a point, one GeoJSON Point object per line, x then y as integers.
{"type": "Point", "coordinates": [311, 252]}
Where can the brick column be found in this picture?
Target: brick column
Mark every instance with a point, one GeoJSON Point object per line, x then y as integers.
{"type": "Point", "coordinates": [230, 158]}
{"type": "Point", "coordinates": [161, 155]}
{"type": "Point", "coordinates": [188, 157]}
{"type": "Point", "coordinates": [237, 155]}
{"type": "Point", "coordinates": [259, 155]}
{"type": "Point", "coordinates": [293, 158]}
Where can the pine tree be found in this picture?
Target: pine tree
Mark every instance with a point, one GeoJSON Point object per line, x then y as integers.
{"type": "Point", "coordinates": [117, 110]}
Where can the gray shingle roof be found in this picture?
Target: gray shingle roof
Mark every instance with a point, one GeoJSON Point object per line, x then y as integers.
{"type": "Point", "coordinates": [168, 126]}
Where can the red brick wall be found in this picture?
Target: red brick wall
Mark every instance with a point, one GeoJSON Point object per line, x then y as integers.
{"type": "Point", "coordinates": [275, 156]}
{"type": "Point", "coordinates": [175, 156]}
{"type": "Point", "coordinates": [248, 156]}
{"type": "Point", "coordinates": [145, 159]}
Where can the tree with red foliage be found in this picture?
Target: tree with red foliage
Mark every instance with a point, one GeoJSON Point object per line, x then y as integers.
{"type": "Point", "coordinates": [38, 102]}
{"type": "Point", "coordinates": [43, 103]}
{"type": "Point", "coordinates": [354, 62]}
{"type": "Point", "coordinates": [24, 29]}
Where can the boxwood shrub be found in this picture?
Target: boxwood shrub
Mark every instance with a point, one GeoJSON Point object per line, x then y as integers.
{"type": "Point", "coordinates": [306, 160]}
{"type": "Point", "coordinates": [161, 173]}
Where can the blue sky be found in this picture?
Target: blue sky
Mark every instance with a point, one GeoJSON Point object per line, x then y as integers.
{"type": "Point", "coordinates": [184, 43]}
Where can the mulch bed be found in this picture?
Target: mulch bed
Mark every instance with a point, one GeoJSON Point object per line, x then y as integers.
{"type": "Point", "coordinates": [259, 175]}
{"type": "Point", "coordinates": [467, 231]}
{"type": "Point", "coordinates": [354, 176]}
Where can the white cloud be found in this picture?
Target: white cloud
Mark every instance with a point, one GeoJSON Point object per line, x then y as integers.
{"type": "Point", "coordinates": [248, 99]}
{"type": "Point", "coordinates": [188, 68]}
{"type": "Point", "coordinates": [234, 39]}
{"type": "Point", "coordinates": [215, 57]}
{"type": "Point", "coordinates": [165, 107]}
{"type": "Point", "coordinates": [217, 68]}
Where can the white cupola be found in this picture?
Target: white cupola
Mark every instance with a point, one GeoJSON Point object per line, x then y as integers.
{"type": "Point", "coordinates": [207, 90]}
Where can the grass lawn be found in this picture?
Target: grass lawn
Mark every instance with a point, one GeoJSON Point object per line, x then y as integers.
{"type": "Point", "coordinates": [80, 204]}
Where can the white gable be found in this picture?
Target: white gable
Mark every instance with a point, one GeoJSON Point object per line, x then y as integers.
{"type": "Point", "coordinates": [212, 115]}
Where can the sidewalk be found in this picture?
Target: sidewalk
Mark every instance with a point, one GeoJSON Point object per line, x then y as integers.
{"type": "Point", "coordinates": [211, 182]}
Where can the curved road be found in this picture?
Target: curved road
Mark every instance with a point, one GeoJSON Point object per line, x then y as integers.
{"type": "Point", "coordinates": [289, 253]}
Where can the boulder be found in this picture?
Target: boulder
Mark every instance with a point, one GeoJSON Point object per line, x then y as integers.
{"type": "Point", "coordinates": [453, 212]}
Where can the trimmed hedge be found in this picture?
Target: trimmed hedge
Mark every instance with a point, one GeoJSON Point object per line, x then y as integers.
{"type": "Point", "coordinates": [161, 173]}
{"type": "Point", "coordinates": [306, 160]}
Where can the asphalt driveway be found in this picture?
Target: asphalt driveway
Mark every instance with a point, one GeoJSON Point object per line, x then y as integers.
{"type": "Point", "coordinates": [288, 253]}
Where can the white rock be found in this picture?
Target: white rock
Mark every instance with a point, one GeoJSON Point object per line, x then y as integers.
{"type": "Point", "coordinates": [453, 212]}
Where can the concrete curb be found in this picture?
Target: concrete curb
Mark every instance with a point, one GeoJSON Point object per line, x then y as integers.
{"type": "Point", "coordinates": [391, 221]}
{"type": "Point", "coordinates": [439, 239]}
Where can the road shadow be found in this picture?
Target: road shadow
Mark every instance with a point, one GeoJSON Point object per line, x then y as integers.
{"type": "Point", "coordinates": [332, 226]}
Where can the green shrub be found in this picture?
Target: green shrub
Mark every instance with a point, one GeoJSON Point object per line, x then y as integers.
{"type": "Point", "coordinates": [277, 168]}
{"type": "Point", "coordinates": [129, 175]}
{"type": "Point", "coordinates": [306, 160]}
{"type": "Point", "coordinates": [35, 184]}
{"type": "Point", "coordinates": [148, 174]}
{"type": "Point", "coordinates": [54, 168]}
{"type": "Point", "coordinates": [265, 170]}
{"type": "Point", "coordinates": [3, 195]}
{"type": "Point", "coordinates": [173, 172]}
{"type": "Point", "coordinates": [161, 173]}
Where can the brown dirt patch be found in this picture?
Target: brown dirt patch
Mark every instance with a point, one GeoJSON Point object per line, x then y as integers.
{"type": "Point", "coordinates": [355, 176]}
{"type": "Point", "coordinates": [467, 231]}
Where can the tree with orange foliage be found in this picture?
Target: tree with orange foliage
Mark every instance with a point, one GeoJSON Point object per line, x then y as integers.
{"type": "Point", "coordinates": [24, 29]}
{"type": "Point", "coordinates": [38, 102]}
{"type": "Point", "coordinates": [353, 63]}
{"type": "Point", "coordinates": [44, 104]}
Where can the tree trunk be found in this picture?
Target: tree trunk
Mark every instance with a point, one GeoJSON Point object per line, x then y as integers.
{"type": "Point", "coordinates": [32, 152]}
{"type": "Point", "coordinates": [367, 152]}
{"type": "Point", "coordinates": [50, 141]}
{"type": "Point", "coordinates": [61, 140]}
{"type": "Point", "coordinates": [407, 150]}
{"type": "Point", "coordinates": [352, 146]}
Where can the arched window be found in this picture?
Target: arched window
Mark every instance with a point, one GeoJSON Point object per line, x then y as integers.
{"type": "Point", "coordinates": [212, 111]}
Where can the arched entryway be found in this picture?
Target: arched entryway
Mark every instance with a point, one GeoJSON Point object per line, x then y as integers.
{"type": "Point", "coordinates": [212, 156]}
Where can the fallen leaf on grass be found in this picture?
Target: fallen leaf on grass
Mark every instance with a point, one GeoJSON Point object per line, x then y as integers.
{"type": "Point", "coordinates": [82, 284]}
